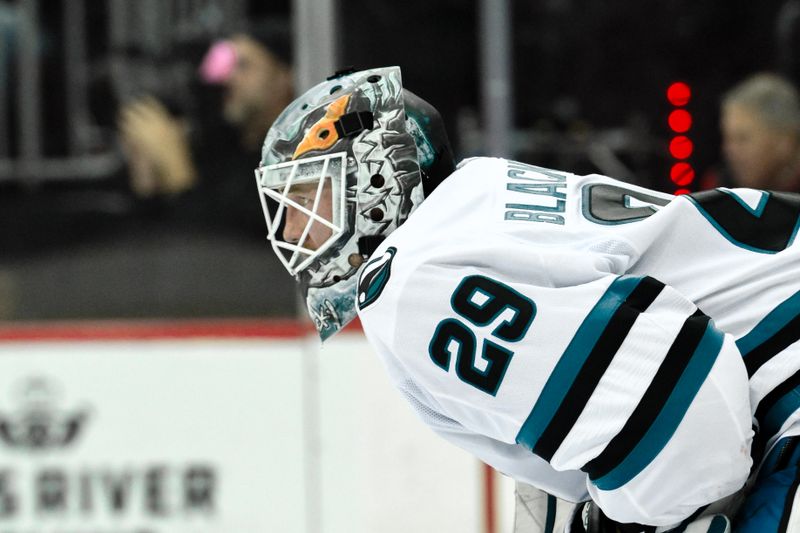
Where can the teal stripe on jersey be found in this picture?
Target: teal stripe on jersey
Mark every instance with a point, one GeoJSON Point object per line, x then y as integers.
{"type": "Point", "coordinates": [719, 524]}
{"type": "Point", "coordinates": [780, 413]}
{"type": "Point", "coordinates": [771, 324]}
{"type": "Point", "coordinates": [671, 414]}
{"type": "Point", "coordinates": [573, 359]}
{"type": "Point", "coordinates": [762, 202]}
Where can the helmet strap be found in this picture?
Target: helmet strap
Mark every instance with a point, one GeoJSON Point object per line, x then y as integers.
{"type": "Point", "coordinates": [369, 243]}
{"type": "Point", "coordinates": [354, 123]}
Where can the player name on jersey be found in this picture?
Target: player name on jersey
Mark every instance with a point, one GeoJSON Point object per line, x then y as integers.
{"type": "Point", "coordinates": [548, 187]}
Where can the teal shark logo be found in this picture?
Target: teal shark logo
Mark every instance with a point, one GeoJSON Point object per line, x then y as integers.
{"type": "Point", "coordinates": [374, 278]}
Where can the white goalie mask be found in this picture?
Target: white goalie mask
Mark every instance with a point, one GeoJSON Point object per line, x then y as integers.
{"type": "Point", "coordinates": [341, 168]}
{"type": "Point", "coordinates": [310, 211]}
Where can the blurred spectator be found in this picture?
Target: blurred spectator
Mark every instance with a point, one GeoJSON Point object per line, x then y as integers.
{"type": "Point", "coordinates": [760, 126]}
{"type": "Point", "coordinates": [200, 176]}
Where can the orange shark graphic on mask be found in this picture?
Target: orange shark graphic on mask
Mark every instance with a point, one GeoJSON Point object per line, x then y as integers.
{"type": "Point", "coordinates": [322, 135]}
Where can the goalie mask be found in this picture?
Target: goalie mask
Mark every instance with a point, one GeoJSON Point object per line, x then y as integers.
{"type": "Point", "coordinates": [341, 168]}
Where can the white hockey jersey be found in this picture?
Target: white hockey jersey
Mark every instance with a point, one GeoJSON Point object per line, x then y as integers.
{"type": "Point", "coordinates": [594, 338]}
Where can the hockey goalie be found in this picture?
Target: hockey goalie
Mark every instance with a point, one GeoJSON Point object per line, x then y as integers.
{"type": "Point", "coordinates": [618, 348]}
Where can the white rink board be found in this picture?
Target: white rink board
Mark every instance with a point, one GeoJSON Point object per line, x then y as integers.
{"type": "Point", "coordinates": [198, 435]}
{"type": "Point", "coordinates": [162, 404]}
{"type": "Point", "coordinates": [395, 475]}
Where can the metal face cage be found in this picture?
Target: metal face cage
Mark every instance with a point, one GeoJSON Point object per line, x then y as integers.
{"type": "Point", "coordinates": [307, 193]}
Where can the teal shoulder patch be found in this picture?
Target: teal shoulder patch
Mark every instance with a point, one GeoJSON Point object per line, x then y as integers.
{"type": "Point", "coordinates": [374, 278]}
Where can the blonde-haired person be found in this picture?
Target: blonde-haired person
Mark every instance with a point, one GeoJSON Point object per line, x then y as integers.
{"type": "Point", "coordinates": [760, 123]}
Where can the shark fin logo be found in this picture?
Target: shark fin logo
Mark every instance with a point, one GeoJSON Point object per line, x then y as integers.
{"type": "Point", "coordinates": [374, 278]}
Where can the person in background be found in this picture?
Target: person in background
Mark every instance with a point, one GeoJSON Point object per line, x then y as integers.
{"type": "Point", "coordinates": [195, 172]}
{"type": "Point", "coordinates": [760, 125]}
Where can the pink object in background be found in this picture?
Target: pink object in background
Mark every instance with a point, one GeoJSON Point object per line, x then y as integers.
{"type": "Point", "coordinates": [218, 63]}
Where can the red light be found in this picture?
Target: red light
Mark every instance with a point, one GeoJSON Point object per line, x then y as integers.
{"type": "Point", "coordinates": [681, 174]}
{"type": "Point", "coordinates": [679, 94]}
{"type": "Point", "coordinates": [679, 192]}
{"type": "Point", "coordinates": [681, 147]}
{"type": "Point", "coordinates": [680, 121]}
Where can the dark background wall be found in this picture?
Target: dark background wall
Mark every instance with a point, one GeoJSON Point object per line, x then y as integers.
{"type": "Point", "coordinates": [582, 66]}
{"type": "Point", "coordinates": [583, 71]}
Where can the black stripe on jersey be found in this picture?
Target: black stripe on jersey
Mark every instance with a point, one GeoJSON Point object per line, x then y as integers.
{"type": "Point", "coordinates": [767, 429]}
{"type": "Point", "coordinates": [654, 398]}
{"type": "Point", "coordinates": [595, 366]}
{"type": "Point", "coordinates": [788, 504]}
{"type": "Point", "coordinates": [787, 335]}
{"type": "Point", "coordinates": [771, 230]}
{"type": "Point", "coordinates": [757, 449]}
{"type": "Point", "coordinates": [786, 454]}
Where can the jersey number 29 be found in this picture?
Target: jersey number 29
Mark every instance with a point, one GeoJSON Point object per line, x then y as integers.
{"type": "Point", "coordinates": [481, 301]}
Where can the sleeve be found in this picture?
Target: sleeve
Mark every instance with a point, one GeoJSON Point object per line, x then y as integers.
{"type": "Point", "coordinates": [621, 378]}
{"type": "Point", "coordinates": [503, 457]}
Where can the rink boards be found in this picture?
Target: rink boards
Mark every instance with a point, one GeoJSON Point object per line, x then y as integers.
{"type": "Point", "coordinates": [205, 427]}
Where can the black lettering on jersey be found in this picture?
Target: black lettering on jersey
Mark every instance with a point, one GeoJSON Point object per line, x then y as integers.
{"type": "Point", "coordinates": [493, 299]}
{"type": "Point", "coordinates": [374, 278]}
{"type": "Point", "coordinates": [452, 330]}
{"type": "Point", "coordinates": [499, 298]}
{"type": "Point", "coordinates": [609, 204]}
{"type": "Point", "coordinates": [769, 228]}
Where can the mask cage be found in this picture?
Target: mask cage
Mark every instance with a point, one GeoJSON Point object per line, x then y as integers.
{"type": "Point", "coordinates": [278, 183]}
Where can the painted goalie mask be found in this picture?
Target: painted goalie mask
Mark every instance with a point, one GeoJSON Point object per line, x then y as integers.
{"type": "Point", "coordinates": [341, 168]}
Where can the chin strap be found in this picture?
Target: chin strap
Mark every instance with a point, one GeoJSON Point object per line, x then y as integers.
{"type": "Point", "coordinates": [369, 243]}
